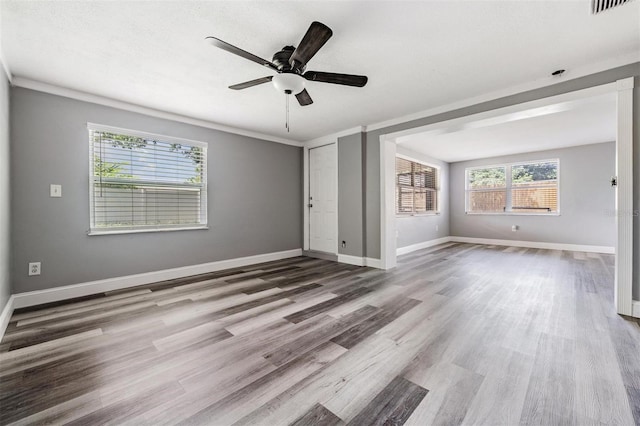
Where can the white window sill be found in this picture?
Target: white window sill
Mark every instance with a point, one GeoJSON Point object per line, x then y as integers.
{"type": "Point", "coordinates": [139, 231]}
{"type": "Point", "coordinates": [511, 214]}
{"type": "Point", "coordinates": [401, 215]}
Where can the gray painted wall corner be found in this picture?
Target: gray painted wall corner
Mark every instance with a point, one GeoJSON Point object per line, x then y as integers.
{"type": "Point", "coordinates": [372, 211]}
{"type": "Point", "coordinates": [350, 195]}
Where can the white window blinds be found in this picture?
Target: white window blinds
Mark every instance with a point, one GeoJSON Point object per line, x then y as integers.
{"type": "Point", "coordinates": [144, 182]}
{"type": "Point", "coordinates": [416, 187]}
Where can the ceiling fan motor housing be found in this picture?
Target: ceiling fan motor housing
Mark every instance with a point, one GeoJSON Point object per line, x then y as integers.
{"type": "Point", "coordinates": [281, 59]}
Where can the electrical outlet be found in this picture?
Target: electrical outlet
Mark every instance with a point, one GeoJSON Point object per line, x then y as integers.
{"type": "Point", "coordinates": [34, 268]}
{"type": "Point", "coordinates": [514, 228]}
{"type": "Point", "coordinates": [344, 244]}
{"type": "Point", "coordinates": [437, 228]}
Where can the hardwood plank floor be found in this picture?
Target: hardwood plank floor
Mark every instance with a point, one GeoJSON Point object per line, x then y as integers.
{"type": "Point", "coordinates": [456, 334]}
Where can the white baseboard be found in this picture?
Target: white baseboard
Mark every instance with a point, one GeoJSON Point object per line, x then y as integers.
{"type": "Point", "coordinates": [5, 316]}
{"type": "Point", "coordinates": [422, 245]}
{"type": "Point", "coordinates": [55, 294]}
{"type": "Point", "coordinates": [636, 309]}
{"type": "Point", "coordinates": [351, 260]}
{"type": "Point", "coordinates": [374, 263]}
{"type": "Point", "coordinates": [359, 261]}
{"type": "Point", "coordinates": [535, 244]}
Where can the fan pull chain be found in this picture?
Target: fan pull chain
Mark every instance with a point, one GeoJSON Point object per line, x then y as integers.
{"type": "Point", "coordinates": [286, 123]}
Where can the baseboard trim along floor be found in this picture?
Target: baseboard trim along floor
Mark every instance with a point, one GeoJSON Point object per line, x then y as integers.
{"type": "Point", "coordinates": [535, 244]}
{"type": "Point", "coordinates": [513, 243]}
{"type": "Point", "coordinates": [39, 297]}
{"type": "Point", "coordinates": [320, 255]}
{"type": "Point", "coordinates": [5, 316]}
{"type": "Point", "coordinates": [360, 261]}
{"type": "Point", "coordinates": [419, 246]}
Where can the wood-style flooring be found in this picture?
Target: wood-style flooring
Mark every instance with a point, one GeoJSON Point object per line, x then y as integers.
{"type": "Point", "coordinates": [456, 334]}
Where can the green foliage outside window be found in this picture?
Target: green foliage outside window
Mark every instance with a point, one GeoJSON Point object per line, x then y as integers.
{"type": "Point", "coordinates": [534, 172]}
{"type": "Point", "coordinates": [116, 140]}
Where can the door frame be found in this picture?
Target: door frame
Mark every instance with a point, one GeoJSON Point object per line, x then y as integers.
{"type": "Point", "coordinates": [305, 196]}
{"type": "Point", "coordinates": [624, 170]}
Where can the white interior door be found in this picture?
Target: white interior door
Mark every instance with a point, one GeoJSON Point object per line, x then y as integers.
{"type": "Point", "coordinates": [322, 199]}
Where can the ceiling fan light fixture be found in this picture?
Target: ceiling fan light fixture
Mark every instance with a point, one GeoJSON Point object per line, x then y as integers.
{"type": "Point", "coordinates": [288, 83]}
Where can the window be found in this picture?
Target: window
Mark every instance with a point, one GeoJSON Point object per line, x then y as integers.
{"type": "Point", "coordinates": [487, 190]}
{"type": "Point", "coordinates": [530, 188]}
{"type": "Point", "coordinates": [144, 182]}
{"type": "Point", "coordinates": [416, 187]}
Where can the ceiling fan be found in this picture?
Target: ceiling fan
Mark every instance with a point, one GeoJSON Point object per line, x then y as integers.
{"type": "Point", "coordinates": [290, 64]}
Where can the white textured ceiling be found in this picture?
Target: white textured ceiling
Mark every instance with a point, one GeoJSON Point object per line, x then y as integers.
{"type": "Point", "coordinates": [418, 55]}
{"type": "Point", "coordinates": [588, 121]}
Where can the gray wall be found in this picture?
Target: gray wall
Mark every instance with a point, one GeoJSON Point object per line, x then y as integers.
{"type": "Point", "coordinates": [587, 201]}
{"type": "Point", "coordinates": [5, 242]}
{"type": "Point", "coordinates": [350, 195]}
{"type": "Point", "coordinates": [259, 212]}
{"type": "Point", "coordinates": [419, 229]}
{"type": "Point", "coordinates": [372, 194]}
{"type": "Point", "coordinates": [372, 212]}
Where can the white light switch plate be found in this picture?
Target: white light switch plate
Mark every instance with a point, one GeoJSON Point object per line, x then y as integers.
{"type": "Point", "coordinates": [55, 190]}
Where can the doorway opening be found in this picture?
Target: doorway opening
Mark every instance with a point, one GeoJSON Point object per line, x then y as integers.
{"type": "Point", "coordinates": [554, 111]}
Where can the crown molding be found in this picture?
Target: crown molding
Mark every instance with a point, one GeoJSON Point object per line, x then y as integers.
{"type": "Point", "coordinates": [3, 59]}
{"type": "Point", "coordinates": [114, 103]}
{"type": "Point", "coordinates": [4, 66]}
{"type": "Point", "coordinates": [514, 90]}
{"type": "Point", "coordinates": [330, 138]}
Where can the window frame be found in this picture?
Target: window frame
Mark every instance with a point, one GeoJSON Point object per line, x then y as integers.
{"type": "Point", "coordinates": [437, 191]}
{"type": "Point", "coordinates": [509, 187]}
{"type": "Point", "coordinates": [92, 230]}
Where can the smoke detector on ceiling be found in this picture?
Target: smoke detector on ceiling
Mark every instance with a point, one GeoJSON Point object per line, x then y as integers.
{"type": "Point", "coordinates": [598, 6]}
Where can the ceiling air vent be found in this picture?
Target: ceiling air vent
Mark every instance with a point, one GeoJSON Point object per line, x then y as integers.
{"type": "Point", "coordinates": [598, 6]}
